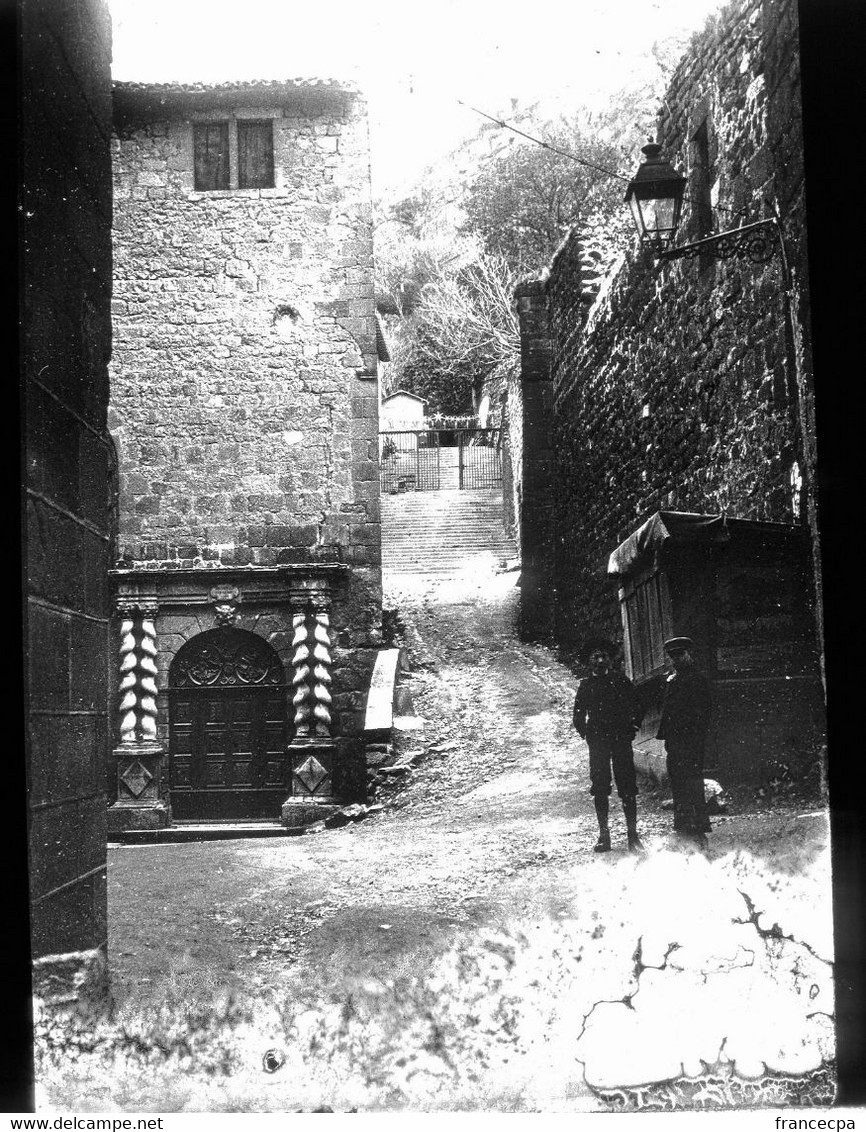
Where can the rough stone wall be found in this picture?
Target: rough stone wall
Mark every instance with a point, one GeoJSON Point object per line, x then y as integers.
{"type": "Point", "coordinates": [502, 391]}
{"type": "Point", "coordinates": [536, 509]}
{"type": "Point", "coordinates": [244, 399]}
{"type": "Point", "coordinates": [512, 464]}
{"type": "Point", "coordinates": [65, 165]}
{"type": "Point", "coordinates": [680, 387]}
{"type": "Point", "coordinates": [242, 321]}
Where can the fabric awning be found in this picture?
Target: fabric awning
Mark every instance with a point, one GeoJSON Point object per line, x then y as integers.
{"type": "Point", "coordinates": [659, 530]}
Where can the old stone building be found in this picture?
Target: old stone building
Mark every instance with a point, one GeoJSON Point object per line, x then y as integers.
{"type": "Point", "coordinates": [65, 250]}
{"type": "Point", "coordinates": [244, 410]}
{"type": "Point", "coordinates": [684, 387]}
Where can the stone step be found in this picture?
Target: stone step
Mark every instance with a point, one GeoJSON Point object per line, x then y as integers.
{"type": "Point", "coordinates": [455, 496]}
{"type": "Point", "coordinates": [500, 550]}
{"type": "Point", "coordinates": [479, 547]}
{"type": "Point", "coordinates": [451, 514]}
{"type": "Point", "coordinates": [443, 533]}
{"type": "Point", "coordinates": [442, 514]}
{"type": "Point", "coordinates": [440, 527]}
{"type": "Point", "coordinates": [443, 523]}
{"type": "Point", "coordinates": [469, 538]}
{"type": "Point", "coordinates": [445, 530]}
{"type": "Point", "coordinates": [204, 831]}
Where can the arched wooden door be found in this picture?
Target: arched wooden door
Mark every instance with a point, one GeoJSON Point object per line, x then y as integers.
{"type": "Point", "coordinates": [227, 728]}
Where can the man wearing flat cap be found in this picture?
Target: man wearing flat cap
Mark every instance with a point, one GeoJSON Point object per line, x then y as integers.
{"type": "Point", "coordinates": [607, 714]}
{"type": "Point", "coordinates": [684, 722]}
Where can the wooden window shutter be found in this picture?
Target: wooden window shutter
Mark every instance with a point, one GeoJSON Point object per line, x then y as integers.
{"type": "Point", "coordinates": [646, 614]}
{"type": "Point", "coordinates": [255, 155]}
{"type": "Point", "coordinates": [211, 153]}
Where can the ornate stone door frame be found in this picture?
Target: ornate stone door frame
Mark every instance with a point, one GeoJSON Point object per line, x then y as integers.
{"type": "Point", "coordinates": [294, 600]}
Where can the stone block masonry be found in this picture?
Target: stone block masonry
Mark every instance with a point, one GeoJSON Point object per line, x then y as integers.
{"type": "Point", "coordinates": [65, 165]}
{"type": "Point", "coordinates": [686, 385]}
{"type": "Point", "coordinates": [240, 379]}
{"type": "Point", "coordinates": [244, 403]}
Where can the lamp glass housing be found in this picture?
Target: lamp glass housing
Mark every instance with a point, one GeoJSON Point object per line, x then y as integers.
{"type": "Point", "coordinates": [655, 195]}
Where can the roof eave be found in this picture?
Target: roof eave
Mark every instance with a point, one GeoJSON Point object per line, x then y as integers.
{"type": "Point", "coordinates": [307, 96]}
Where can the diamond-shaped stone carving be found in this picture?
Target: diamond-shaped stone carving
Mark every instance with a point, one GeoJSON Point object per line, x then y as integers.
{"type": "Point", "coordinates": [311, 773]}
{"type": "Point", "coordinates": [136, 778]}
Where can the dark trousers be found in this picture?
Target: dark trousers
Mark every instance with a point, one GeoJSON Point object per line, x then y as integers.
{"type": "Point", "coordinates": [615, 754]}
{"type": "Point", "coordinates": [686, 773]}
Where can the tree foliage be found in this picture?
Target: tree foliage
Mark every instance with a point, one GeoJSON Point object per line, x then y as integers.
{"type": "Point", "coordinates": [449, 255]}
{"type": "Point", "coordinates": [523, 204]}
{"type": "Point", "coordinates": [410, 253]}
{"type": "Point", "coordinates": [462, 329]}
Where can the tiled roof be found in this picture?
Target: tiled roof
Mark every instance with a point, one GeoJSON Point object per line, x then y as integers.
{"type": "Point", "coordinates": [234, 84]}
{"type": "Point", "coordinates": [135, 98]}
{"type": "Point", "coordinates": [403, 393]}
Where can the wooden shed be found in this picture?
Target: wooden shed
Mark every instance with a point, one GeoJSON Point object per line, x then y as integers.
{"type": "Point", "coordinates": [742, 590]}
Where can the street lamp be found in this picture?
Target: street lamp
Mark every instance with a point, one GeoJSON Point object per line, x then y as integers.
{"type": "Point", "coordinates": [655, 195]}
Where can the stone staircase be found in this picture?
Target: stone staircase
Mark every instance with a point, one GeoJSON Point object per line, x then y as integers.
{"type": "Point", "coordinates": [443, 532]}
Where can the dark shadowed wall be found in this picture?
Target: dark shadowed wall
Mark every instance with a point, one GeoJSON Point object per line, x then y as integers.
{"type": "Point", "coordinates": [66, 341]}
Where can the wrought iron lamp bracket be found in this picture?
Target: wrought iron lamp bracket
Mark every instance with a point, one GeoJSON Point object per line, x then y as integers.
{"type": "Point", "coordinates": [756, 242]}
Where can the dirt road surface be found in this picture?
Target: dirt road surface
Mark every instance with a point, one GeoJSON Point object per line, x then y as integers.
{"type": "Point", "coordinates": [496, 820]}
{"type": "Point", "coordinates": [491, 831]}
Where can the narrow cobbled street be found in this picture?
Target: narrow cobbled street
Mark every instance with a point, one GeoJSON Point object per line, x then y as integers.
{"type": "Point", "coordinates": [463, 947]}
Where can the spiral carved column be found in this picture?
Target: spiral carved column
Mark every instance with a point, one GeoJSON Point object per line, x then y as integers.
{"type": "Point", "coordinates": [139, 755]}
{"type": "Point", "coordinates": [313, 747]}
{"type": "Point", "coordinates": [147, 678]}
{"type": "Point", "coordinates": [128, 680]}
{"type": "Point", "coordinates": [322, 673]}
{"type": "Point", "coordinates": [137, 672]}
{"type": "Point", "coordinates": [302, 699]}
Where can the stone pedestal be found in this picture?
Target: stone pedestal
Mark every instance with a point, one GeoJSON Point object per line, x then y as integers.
{"type": "Point", "coordinates": [297, 811]}
{"type": "Point", "coordinates": [312, 796]}
{"type": "Point", "coordinates": [140, 803]}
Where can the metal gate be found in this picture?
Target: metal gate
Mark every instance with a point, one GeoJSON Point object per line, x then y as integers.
{"type": "Point", "coordinates": [409, 461]}
{"type": "Point", "coordinates": [480, 457]}
{"type": "Point", "coordinates": [412, 460]}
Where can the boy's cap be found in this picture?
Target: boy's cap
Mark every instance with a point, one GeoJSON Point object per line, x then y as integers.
{"type": "Point", "coordinates": [595, 644]}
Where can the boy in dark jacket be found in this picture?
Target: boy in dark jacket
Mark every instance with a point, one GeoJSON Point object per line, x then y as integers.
{"type": "Point", "coordinates": [683, 726]}
{"type": "Point", "coordinates": [607, 714]}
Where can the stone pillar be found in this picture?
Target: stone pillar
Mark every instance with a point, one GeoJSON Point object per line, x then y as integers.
{"type": "Point", "coordinates": [139, 757]}
{"type": "Point", "coordinates": [311, 669]}
{"type": "Point", "coordinates": [313, 748]}
{"type": "Point", "coordinates": [536, 501]}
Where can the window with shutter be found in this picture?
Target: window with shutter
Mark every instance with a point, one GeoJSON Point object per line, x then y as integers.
{"type": "Point", "coordinates": [255, 155]}
{"type": "Point", "coordinates": [211, 148]}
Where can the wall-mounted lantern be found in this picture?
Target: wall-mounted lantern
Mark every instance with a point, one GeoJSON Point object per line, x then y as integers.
{"type": "Point", "coordinates": [655, 195]}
